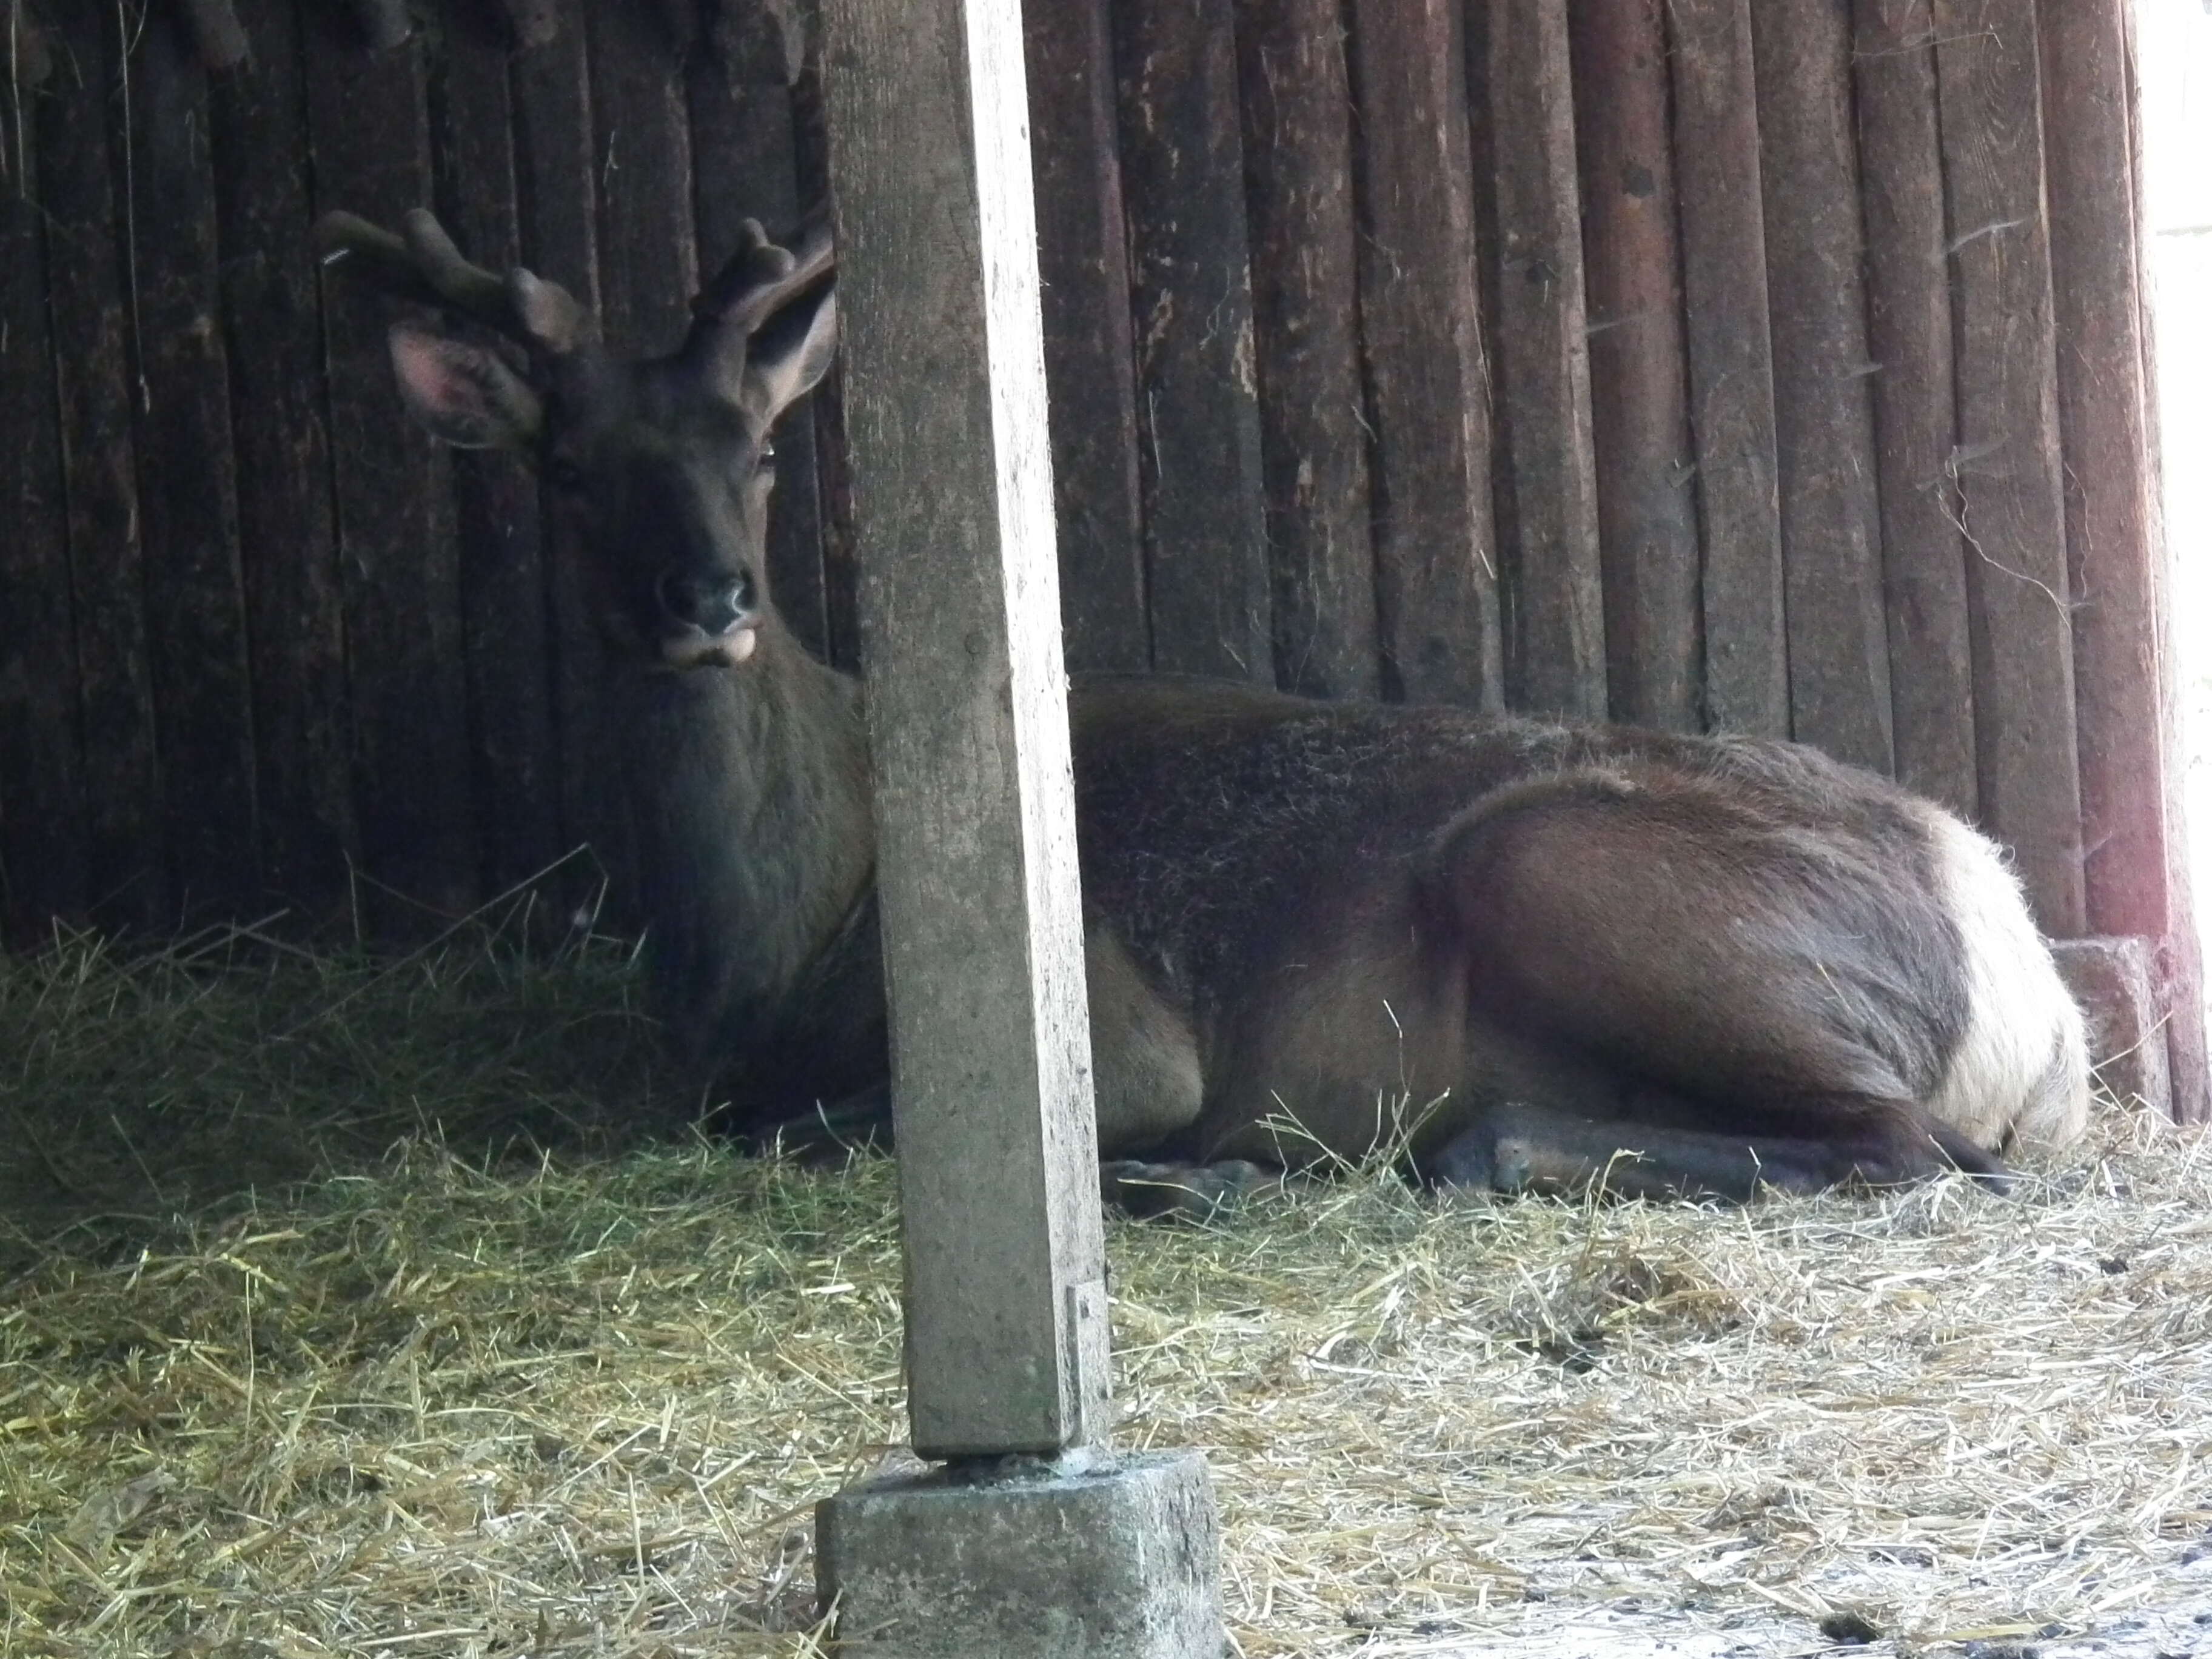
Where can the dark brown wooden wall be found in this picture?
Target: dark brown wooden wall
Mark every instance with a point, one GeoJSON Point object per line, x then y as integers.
{"type": "Point", "coordinates": [1772, 365]}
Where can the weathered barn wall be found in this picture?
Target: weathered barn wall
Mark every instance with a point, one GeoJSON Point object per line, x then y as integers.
{"type": "Point", "coordinates": [1701, 362]}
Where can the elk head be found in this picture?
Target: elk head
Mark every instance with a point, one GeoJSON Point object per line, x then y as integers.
{"type": "Point", "coordinates": [665, 461]}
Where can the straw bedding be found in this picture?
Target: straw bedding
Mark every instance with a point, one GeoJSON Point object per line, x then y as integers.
{"type": "Point", "coordinates": [375, 1330]}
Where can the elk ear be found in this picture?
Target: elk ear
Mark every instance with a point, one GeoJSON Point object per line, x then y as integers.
{"type": "Point", "coordinates": [464, 394]}
{"type": "Point", "coordinates": [788, 354]}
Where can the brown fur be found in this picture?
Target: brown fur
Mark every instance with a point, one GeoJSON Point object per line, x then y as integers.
{"type": "Point", "coordinates": [1542, 954]}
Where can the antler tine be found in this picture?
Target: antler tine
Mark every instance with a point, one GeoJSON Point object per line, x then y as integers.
{"type": "Point", "coordinates": [760, 275]}
{"type": "Point", "coordinates": [423, 264]}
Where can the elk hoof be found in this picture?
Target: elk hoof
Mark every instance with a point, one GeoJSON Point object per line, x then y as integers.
{"type": "Point", "coordinates": [1194, 1192]}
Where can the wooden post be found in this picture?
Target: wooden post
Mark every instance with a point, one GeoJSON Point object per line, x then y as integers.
{"type": "Point", "coordinates": [1639, 403]}
{"type": "Point", "coordinates": [968, 725]}
{"type": "Point", "coordinates": [1090, 363]}
{"type": "Point", "coordinates": [504, 625]}
{"type": "Point", "coordinates": [1731, 364]}
{"type": "Point", "coordinates": [1436, 562]}
{"type": "Point", "coordinates": [287, 536]}
{"type": "Point", "coordinates": [1931, 678]}
{"type": "Point", "coordinates": [125, 860]}
{"type": "Point", "coordinates": [1305, 317]}
{"type": "Point", "coordinates": [1521, 94]}
{"type": "Point", "coordinates": [1042, 1544]}
{"type": "Point", "coordinates": [2007, 459]}
{"type": "Point", "coordinates": [41, 794]}
{"type": "Point", "coordinates": [368, 123]}
{"type": "Point", "coordinates": [1823, 418]}
{"type": "Point", "coordinates": [1182, 165]}
{"type": "Point", "coordinates": [2178, 961]}
{"type": "Point", "coordinates": [2093, 267]}
{"type": "Point", "coordinates": [187, 481]}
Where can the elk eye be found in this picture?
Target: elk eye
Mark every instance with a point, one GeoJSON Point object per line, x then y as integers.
{"type": "Point", "coordinates": [768, 454]}
{"type": "Point", "coordinates": [565, 473]}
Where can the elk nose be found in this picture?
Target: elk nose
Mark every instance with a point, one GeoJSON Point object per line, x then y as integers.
{"type": "Point", "coordinates": [712, 603]}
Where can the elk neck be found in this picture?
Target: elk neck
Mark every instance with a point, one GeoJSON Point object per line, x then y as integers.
{"type": "Point", "coordinates": [748, 788]}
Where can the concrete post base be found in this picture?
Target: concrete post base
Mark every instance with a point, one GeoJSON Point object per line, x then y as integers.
{"type": "Point", "coordinates": [1088, 1556]}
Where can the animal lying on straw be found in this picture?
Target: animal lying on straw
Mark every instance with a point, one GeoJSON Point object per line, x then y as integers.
{"type": "Point", "coordinates": [1675, 963]}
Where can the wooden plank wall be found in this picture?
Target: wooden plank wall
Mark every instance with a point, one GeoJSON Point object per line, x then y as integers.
{"type": "Point", "coordinates": [1713, 363]}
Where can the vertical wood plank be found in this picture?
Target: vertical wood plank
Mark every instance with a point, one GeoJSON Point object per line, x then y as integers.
{"type": "Point", "coordinates": [368, 123]}
{"type": "Point", "coordinates": [647, 256]}
{"type": "Point", "coordinates": [126, 862]}
{"type": "Point", "coordinates": [1553, 597]}
{"type": "Point", "coordinates": [2094, 265]}
{"type": "Point", "coordinates": [1198, 418]}
{"type": "Point", "coordinates": [2178, 959]}
{"type": "Point", "coordinates": [840, 572]}
{"type": "Point", "coordinates": [982, 931]}
{"type": "Point", "coordinates": [2008, 459]}
{"type": "Point", "coordinates": [649, 260]}
{"type": "Point", "coordinates": [1083, 260]}
{"type": "Point", "coordinates": [1297, 100]}
{"type": "Point", "coordinates": [1823, 416]}
{"type": "Point", "coordinates": [558, 211]}
{"type": "Point", "coordinates": [1717, 174]}
{"type": "Point", "coordinates": [1427, 381]}
{"type": "Point", "coordinates": [288, 543]}
{"type": "Point", "coordinates": [505, 645]}
{"type": "Point", "coordinates": [1639, 408]}
{"type": "Point", "coordinates": [42, 872]}
{"type": "Point", "coordinates": [187, 492]}
{"type": "Point", "coordinates": [1916, 407]}
{"type": "Point", "coordinates": [744, 165]}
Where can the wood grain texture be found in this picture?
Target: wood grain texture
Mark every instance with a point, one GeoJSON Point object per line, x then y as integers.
{"type": "Point", "coordinates": [1647, 519]}
{"type": "Point", "coordinates": [558, 208]}
{"type": "Point", "coordinates": [744, 165]}
{"type": "Point", "coordinates": [2096, 266]}
{"type": "Point", "coordinates": [641, 160]}
{"type": "Point", "coordinates": [1198, 420]}
{"type": "Point", "coordinates": [187, 481]}
{"type": "Point", "coordinates": [1083, 260]}
{"type": "Point", "coordinates": [1297, 100]}
{"type": "Point", "coordinates": [968, 727]}
{"type": "Point", "coordinates": [1428, 390]}
{"type": "Point", "coordinates": [1823, 414]}
{"type": "Point", "coordinates": [287, 540]}
{"type": "Point", "coordinates": [1909, 335]}
{"type": "Point", "coordinates": [126, 860]}
{"type": "Point", "coordinates": [369, 126]}
{"type": "Point", "coordinates": [841, 579]}
{"type": "Point", "coordinates": [515, 766]}
{"type": "Point", "coordinates": [2007, 460]}
{"type": "Point", "coordinates": [42, 872]}
{"type": "Point", "coordinates": [2178, 960]}
{"type": "Point", "coordinates": [1725, 308]}
{"type": "Point", "coordinates": [1528, 205]}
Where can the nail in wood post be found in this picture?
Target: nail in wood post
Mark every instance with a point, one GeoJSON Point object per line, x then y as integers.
{"type": "Point", "coordinates": [944, 397]}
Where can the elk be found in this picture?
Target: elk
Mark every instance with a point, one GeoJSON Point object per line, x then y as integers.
{"type": "Point", "coordinates": [1583, 954]}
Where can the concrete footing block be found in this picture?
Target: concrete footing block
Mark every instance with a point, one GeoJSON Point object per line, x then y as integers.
{"type": "Point", "coordinates": [2114, 981]}
{"type": "Point", "coordinates": [1087, 1556]}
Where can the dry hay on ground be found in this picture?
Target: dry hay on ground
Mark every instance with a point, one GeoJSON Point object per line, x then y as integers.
{"type": "Point", "coordinates": [444, 1403]}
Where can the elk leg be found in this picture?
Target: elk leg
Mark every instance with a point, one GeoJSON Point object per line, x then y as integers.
{"type": "Point", "coordinates": [1701, 980]}
{"type": "Point", "coordinates": [1519, 1148]}
{"type": "Point", "coordinates": [1190, 1192]}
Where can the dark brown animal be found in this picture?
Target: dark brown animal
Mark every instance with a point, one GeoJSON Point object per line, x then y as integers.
{"type": "Point", "coordinates": [1538, 955]}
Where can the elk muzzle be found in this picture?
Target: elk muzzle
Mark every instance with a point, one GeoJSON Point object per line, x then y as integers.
{"type": "Point", "coordinates": [705, 619]}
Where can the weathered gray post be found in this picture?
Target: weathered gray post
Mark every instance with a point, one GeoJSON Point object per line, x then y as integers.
{"type": "Point", "coordinates": [1030, 1538]}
